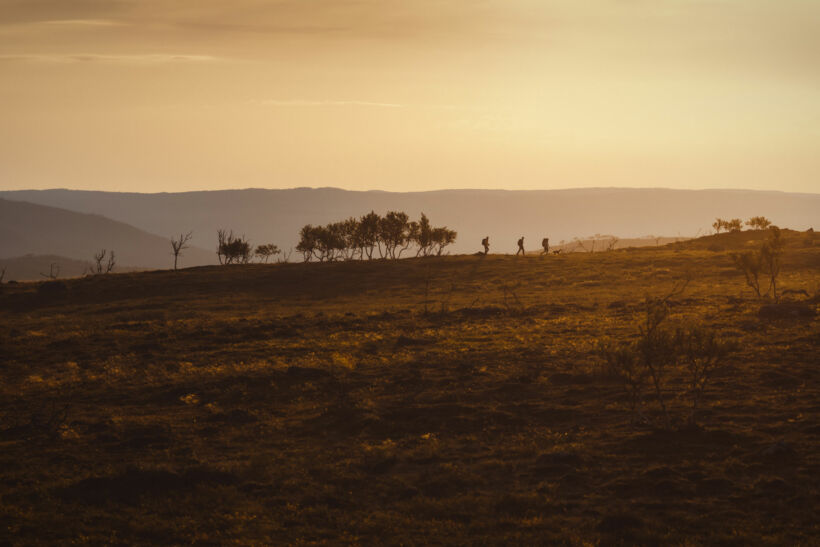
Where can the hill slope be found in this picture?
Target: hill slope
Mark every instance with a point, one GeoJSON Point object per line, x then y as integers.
{"type": "Point", "coordinates": [27, 228]}
{"type": "Point", "coordinates": [319, 403]}
{"type": "Point", "coordinates": [277, 215]}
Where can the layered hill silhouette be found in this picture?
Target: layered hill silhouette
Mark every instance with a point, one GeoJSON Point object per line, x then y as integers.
{"type": "Point", "coordinates": [31, 229]}
{"type": "Point", "coordinates": [275, 216]}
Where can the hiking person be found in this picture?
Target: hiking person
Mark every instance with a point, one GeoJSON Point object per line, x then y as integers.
{"type": "Point", "coordinates": [545, 243]}
{"type": "Point", "coordinates": [486, 243]}
{"type": "Point", "coordinates": [520, 247]}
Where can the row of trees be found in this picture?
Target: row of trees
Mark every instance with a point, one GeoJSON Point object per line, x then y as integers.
{"type": "Point", "coordinates": [736, 224]}
{"type": "Point", "coordinates": [373, 236]}
{"type": "Point", "coordinates": [370, 236]}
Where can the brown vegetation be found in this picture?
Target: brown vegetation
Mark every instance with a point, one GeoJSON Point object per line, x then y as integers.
{"type": "Point", "coordinates": [321, 403]}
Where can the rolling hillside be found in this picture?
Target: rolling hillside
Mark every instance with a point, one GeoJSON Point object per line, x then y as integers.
{"type": "Point", "coordinates": [459, 400]}
{"type": "Point", "coordinates": [27, 228]}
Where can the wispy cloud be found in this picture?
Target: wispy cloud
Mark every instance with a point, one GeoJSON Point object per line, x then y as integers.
{"type": "Point", "coordinates": [364, 104]}
{"type": "Point", "coordinates": [145, 59]}
{"type": "Point", "coordinates": [332, 103]}
{"type": "Point", "coordinates": [83, 23]}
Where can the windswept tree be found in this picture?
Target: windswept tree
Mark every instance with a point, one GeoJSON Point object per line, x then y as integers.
{"type": "Point", "coordinates": [347, 234]}
{"type": "Point", "coordinates": [719, 225]}
{"type": "Point", "coordinates": [264, 252]}
{"type": "Point", "coordinates": [430, 241]}
{"type": "Point", "coordinates": [335, 240]}
{"type": "Point", "coordinates": [734, 225]}
{"type": "Point", "coordinates": [394, 232]}
{"type": "Point", "coordinates": [366, 235]}
{"type": "Point", "coordinates": [442, 237]}
{"type": "Point", "coordinates": [307, 241]}
{"type": "Point", "coordinates": [321, 242]}
{"type": "Point", "coordinates": [758, 223]}
{"type": "Point", "coordinates": [421, 233]}
{"type": "Point", "coordinates": [178, 244]}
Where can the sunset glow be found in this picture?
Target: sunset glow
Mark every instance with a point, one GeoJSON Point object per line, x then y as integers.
{"type": "Point", "coordinates": [518, 94]}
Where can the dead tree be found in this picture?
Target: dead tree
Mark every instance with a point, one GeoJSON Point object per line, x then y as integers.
{"type": "Point", "coordinates": [178, 244]}
{"type": "Point", "coordinates": [99, 267]}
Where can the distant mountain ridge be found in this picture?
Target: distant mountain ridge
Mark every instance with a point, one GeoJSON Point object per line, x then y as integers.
{"type": "Point", "coordinates": [31, 229]}
{"type": "Point", "coordinates": [275, 216]}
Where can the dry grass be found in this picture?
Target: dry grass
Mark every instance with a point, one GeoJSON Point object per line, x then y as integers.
{"type": "Point", "coordinates": [322, 404]}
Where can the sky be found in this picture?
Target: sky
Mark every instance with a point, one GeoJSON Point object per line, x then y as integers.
{"type": "Point", "coordinates": [405, 95]}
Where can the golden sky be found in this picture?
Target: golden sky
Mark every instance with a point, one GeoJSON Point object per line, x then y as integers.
{"type": "Point", "coordinates": [175, 95]}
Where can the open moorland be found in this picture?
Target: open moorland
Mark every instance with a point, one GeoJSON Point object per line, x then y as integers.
{"type": "Point", "coordinates": [441, 400]}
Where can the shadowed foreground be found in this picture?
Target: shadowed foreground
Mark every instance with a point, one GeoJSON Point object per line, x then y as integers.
{"type": "Point", "coordinates": [441, 400]}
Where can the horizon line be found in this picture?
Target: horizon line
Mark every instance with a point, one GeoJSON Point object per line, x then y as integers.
{"type": "Point", "coordinates": [518, 190]}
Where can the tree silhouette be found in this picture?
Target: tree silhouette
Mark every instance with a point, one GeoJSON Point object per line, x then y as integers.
{"type": "Point", "coordinates": [232, 249]}
{"type": "Point", "coordinates": [758, 223]}
{"type": "Point", "coordinates": [734, 225]}
{"type": "Point", "coordinates": [178, 244]}
{"type": "Point", "coordinates": [101, 266]}
{"type": "Point", "coordinates": [360, 238]}
{"type": "Point", "coordinates": [264, 252]}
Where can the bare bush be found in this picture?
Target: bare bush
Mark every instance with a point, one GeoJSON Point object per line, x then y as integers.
{"type": "Point", "coordinates": [701, 352]}
{"type": "Point", "coordinates": [232, 249]}
{"type": "Point", "coordinates": [659, 354]}
{"type": "Point", "coordinates": [751, 265]}
{"type": "Point", "coordinates": [654, 350]}
{"type": "Point", "coordinates": [104, 262]}
{"type": "Point", "coordinates": [621, 363]}
{"type": "Point", "coordinates": [764, 262]}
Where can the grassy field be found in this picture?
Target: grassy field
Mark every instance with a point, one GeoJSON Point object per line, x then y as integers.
{"type": "Point", "coordinates": [451, 400]}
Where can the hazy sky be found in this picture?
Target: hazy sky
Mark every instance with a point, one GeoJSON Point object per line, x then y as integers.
{"type": "Point", "coordinates": [172, 95]}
